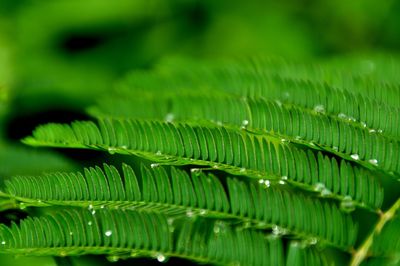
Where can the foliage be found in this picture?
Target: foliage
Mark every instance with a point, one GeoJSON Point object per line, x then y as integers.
{"type": "Point", "coordinates": [241, 157]}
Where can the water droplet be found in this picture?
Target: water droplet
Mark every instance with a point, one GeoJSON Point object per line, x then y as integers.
{"type": "Point", "coordinates": [158, 153]}
{"type": "Point", "coordinates": [347, 204]}
{"type": "Point", "coordinates": [319, 187]}
{"type": "Point", "coordinates": [215, 166]}
{"type": "Point", "coordinates": [261, 181]}
{"type": "Point", "coordinates": [342, 116]}
{"type": "Point", "coordinates": [363, 124]}
{"type": "Point", "coordinates": [22, 206]}
{"type": "Point", "coordinates": [319, 109]}
{"type": "Point", "coordinates": [372, 131]}
{"type": "Point", "coordinates": [93, 212]}
{"type": "Point", "coordinates": [154, 165]}
{"type": "Point", "coordinates": [245, 123]}
{"type": "Point", "coordinates": [281, 182]}
{"type": "Point", "coordinates": [195, 170]}
{"type": "Point", "coordinates": [217, 229]}
{"type": "Point", "coordinates": [284, 177]}
{"type": "Point", "coordinates": [161, 258]}
{"type": "Point", "coordinates": [124, 147]}
{"type": "Point", "coordinates": [108, 233]}
{"type": "Point", "coordinates": [189, 213]}
{"type": "Point", "coordinates": [113, 258]}
{"type": "Point", "coordinates": [267, 183]}
{"type": "Point", "coordinates": [203, 212]}
{"type": "Point", "coordinates": [355, 157]}
{"type": "Point", "coordinates": [312, 144]}
{"type": "Point", "coordinates": [313, 241]}
{"type": "Point", "coordinates": [380, 130]}
{"type": "Point", "coordinates": [112, 150]}
{"type": "Point", "coordinates": [90, 223]}
{"type": "Point", "coordinates": [219, 123]}
{"type": "Point", "coordinates": [90, 207]}
{"type": "Point", "coordinates": [276, 230]}
{"type": "Point", "coordinates": [170, 221]}
{"type": "Point", "coordinates": [3, 242]}
{"type": "Point", "coordinates": [169, 118]}
{"type": "Point", "coordinates": [70, 233]}
{"type": "Point", "coordinates": [335, 148]}
{"type": "Point", "coordinates": [284, 140]}
{"type": "Point", "coordinates": [373, 161]}
{"type": "Point", "coordinates": [325, 192]}
{"type": "Point", "coordinates": [351, 119]}
{"type": "Point", "coordinates": [298, 138]}
{"type": "Point", "coordinates": [242, 170]}
{"type": "Point", "coordinates": [39, 201]}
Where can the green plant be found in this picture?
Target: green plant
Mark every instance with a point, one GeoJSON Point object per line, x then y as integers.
{"type": "Point", "coordinates": [260, 162]}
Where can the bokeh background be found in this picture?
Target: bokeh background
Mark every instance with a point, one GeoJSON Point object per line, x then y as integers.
{"type": "Point", "coordinates": [57, 57]}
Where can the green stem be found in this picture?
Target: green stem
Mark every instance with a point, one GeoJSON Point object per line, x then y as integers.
{"type": "Point", "coordinates": [362, 253]}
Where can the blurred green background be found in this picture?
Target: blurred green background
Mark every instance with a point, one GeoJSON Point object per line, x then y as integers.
{"type": "Point", "coordinates": [57, 57]}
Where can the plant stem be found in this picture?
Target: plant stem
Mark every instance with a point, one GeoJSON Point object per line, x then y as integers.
{"type": "Point", "coordinates": [362, 252]}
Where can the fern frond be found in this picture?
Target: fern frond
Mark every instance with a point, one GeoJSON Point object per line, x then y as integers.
{"type": "Point", "coordinates": [273, 81]}
{"type": "Point", "coordinates": [136, 234]}
{"type": "Point", "coordinates": [178, 194]}
{"type": "Point", "coordinates": [314, 129]}
{"type": "Point", "coordinates": [298, 255]}
{"type": "Point", "coordinates": [233, 151]}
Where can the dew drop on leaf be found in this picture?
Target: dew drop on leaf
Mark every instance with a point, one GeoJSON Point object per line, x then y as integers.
{"type": "Point", "coordinates": [319, 187]}
{"type": "Point", "coordinates": [189, 213]}
{"type": "Point", "coordinates": [113, 258]}
{"type": "Point", "coordinates": [154, 165]}
{"type": "Point", "coordinates": [319, 109]}
{"type": "Point", "coordinates": [111, 150]}
{"type": "Point", "coordinates": [373, 161]}
{"type": "Point", "coordinates": [161, 258]}
{"type": "Point", "coordinates": [355, 157]}
{"type": "Point", "coordinates": [325, 192]}
{"type": "Point", "coordinates": [347, 204]}
{"type": "Point", "coordinates": [169, 117]}
{"type": "Point", "coordinates": [108, 233]}
{"type": "Point", "coordinates": [203, 212]}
